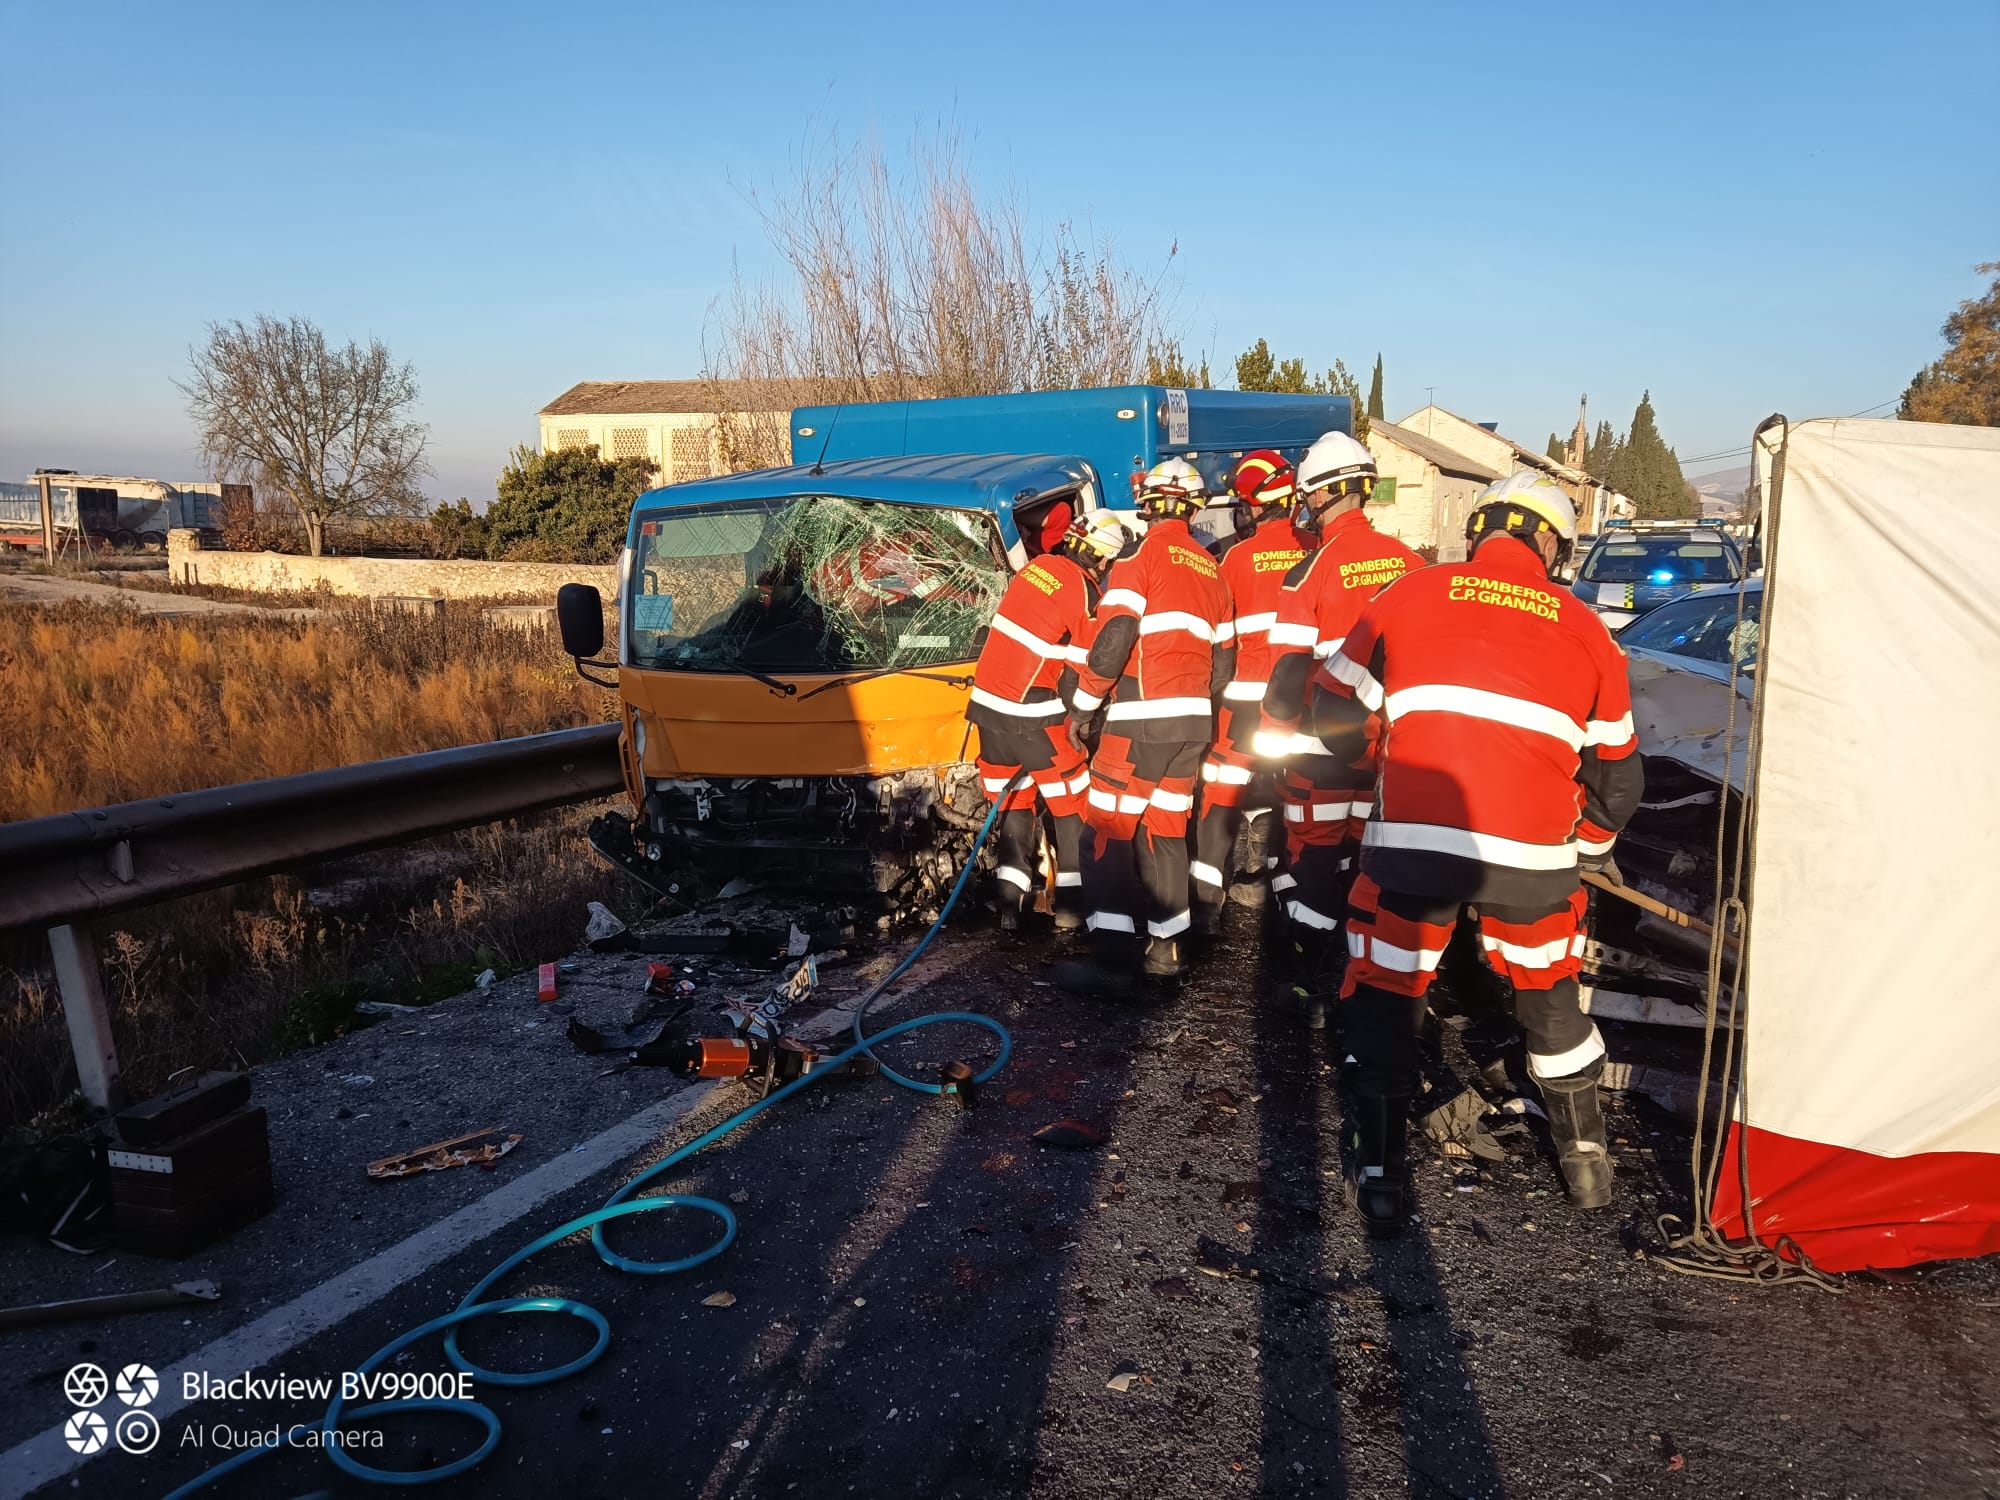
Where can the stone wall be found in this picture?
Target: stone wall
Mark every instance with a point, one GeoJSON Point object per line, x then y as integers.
{"type": "Point", "coordinates": [377, 577]}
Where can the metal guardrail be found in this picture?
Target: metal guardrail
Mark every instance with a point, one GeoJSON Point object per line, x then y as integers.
{"type": "Point", "coordinates": [80, 865]}
{"type": "Point", "coordinates": [56, 872]}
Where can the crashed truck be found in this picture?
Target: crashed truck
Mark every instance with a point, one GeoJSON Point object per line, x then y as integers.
{"type": "Point", "coordinates": [795, 646]}
{"type": "Point", "coordinates": [1829, 789]}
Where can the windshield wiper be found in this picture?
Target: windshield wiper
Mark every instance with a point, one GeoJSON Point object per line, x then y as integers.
{"type": "Point", "coordinates": [777, 685]}
{"type": "Point", "coordinates": [953, 679]}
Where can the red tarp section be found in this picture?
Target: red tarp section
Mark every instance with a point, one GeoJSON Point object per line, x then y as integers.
{"type": "Point", "coordinates": [1851, 1211]}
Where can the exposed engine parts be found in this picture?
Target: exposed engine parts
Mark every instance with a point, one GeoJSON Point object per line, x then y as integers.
{"type": "Point", "coordinates": [891, 843]}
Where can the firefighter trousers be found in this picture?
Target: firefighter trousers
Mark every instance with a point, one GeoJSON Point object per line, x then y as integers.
{"type": "Point", "coordinates": [1135, 852]}
{"type": "Point", "coordinates": [1395, 942]}
{"type": "Point", "coordinates": [1017, 769]}
{"type": "Point", "coordinates": [1235, 786]}
{"type": "Point", "coordinates": [1325, 804]}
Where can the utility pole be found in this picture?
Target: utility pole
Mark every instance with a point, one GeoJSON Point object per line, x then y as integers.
{"type": "Point", "coordinates": [1430, 408]}
{"type": "Point", "coordinates": [48, 520]}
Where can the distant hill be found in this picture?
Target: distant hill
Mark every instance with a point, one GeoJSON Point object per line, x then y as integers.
{"type": "Point", "coordinates": [1724, 484]}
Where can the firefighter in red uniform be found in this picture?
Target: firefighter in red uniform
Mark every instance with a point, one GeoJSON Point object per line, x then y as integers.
{"type": "Point", "coordinates": [1508, 758]}
{"type": "Point", "coordinates": [1325, 797]}
{"type": "Point", "coordinates": [1161, 653]}
{"type": "Point", "coordinates": [1234, 776]}
{"type": "Point", "coordinates": [1032, 651]}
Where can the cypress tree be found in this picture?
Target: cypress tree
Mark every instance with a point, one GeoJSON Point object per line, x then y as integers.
{"type": "Point", "coordinates": [1557, 449]}
{"type": "Point", "coordinates": [1649, 471]}
{"type": "Point", "coordinates": [1603, 447]}
{"type": "Point", "coordinates": [1375, 412]}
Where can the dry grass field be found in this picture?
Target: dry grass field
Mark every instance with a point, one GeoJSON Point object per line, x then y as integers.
{"type": "Point", "coordinates": [107, 705]}
{"type": "Point", "coordinates": [102, 705]}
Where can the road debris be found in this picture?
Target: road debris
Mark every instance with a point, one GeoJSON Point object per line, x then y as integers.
{"type": "Point", "coordinates": [180, 1294]}
{"type": "Point", "coordinates": [485, 979]}
{"type": "Point", "coordinates": [719, 1299]}
{"type": "Point", "coordinates": [604, 925]}
{"type": "Point", "coordinates": [1070, 1135]}
{"type": "Point", "coordinates": [441, 1156]}
{"type": "Point", "coordinates": [545, 983]}
{"type": "Point", "coordinates": [1123, 1377]}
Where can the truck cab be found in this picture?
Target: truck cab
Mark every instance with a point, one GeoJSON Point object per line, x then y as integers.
{"type": "Point", "coordinates": [795, 646]}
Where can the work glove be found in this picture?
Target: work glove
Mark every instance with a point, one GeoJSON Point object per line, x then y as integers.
{"type": "Point", "coordinates": [1602, 865]}
{"type": "Point", "coordinates": [1087, 727]}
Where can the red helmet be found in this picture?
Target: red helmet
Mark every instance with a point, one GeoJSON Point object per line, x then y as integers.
{"type": "Point", "coordinates": [1055, 521]}
{"type": "Point", "coordinates": [1263, 478]}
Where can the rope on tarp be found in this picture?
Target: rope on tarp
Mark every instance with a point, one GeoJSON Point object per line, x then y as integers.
{"type": "Point", "coordinates": [1697, 1246]}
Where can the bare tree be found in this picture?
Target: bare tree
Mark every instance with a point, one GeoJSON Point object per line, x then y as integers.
{"type": "Point", "coordinates": [329, 429]}
{"type": "Point", "coordinates": [898, 288]}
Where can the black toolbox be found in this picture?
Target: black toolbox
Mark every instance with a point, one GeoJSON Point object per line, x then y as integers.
{"type": "Point", "coordinates": [168, 1116]}
{"type": "Point", "coordinates": [172, 1197]}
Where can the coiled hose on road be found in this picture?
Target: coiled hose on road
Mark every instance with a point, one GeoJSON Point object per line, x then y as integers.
{"type": "Point", "coordinates": [621, 1204]}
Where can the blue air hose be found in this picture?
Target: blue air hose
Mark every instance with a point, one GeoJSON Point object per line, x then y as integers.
{"type": "Point", "coordinates": [620, 1205]}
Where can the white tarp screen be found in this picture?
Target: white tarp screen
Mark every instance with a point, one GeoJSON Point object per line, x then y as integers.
{"type": "Point", "coordinates": [1875, 1022]}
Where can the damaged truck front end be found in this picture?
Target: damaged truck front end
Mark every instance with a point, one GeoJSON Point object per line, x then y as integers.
{"type": "Point", "coordinates": [795, 650]}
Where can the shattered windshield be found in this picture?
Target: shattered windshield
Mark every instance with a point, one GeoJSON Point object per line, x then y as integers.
{"type": "Point", "coordinates": [1662, 560]}
{"type": "Point", "coordinates": [812, 583]}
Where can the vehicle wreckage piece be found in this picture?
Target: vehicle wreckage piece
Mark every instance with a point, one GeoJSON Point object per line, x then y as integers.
{"type": "Point", "coordinates": [443, 1155]}
{"type": "Point", "coordinates": [180, 1294]}
{"type": "Point", "coordinates": [890, 840]}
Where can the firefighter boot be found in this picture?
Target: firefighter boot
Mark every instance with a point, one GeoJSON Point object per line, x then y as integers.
{"type": "Point", "coordinates": [1576, 1123]}
{"type": "Point", "coordinates": [1214, 853]}
{"type": "Point", "coordinates": [1067, 836]}
{"type": "Point", "coordinates": [1015, 850]}
{"type": "Point", "coordinates": [1261, 844]}
{"type": "Point", "coordinates": [1381, 1180]}
{"type": "Point", "coordinates": [1107, 973]}
{"type": "Point", "coordinates": [1164, 958]}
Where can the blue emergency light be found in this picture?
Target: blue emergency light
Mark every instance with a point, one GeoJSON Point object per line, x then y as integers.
{"type": "Point", "coordinates": [1662, 576]}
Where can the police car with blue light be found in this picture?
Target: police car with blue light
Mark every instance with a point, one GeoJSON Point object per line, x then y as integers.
{"type": "Point", "coordinates": [1633, 569]}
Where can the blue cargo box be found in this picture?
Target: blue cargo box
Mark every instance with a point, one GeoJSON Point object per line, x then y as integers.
{"type": "Point", "coordinates": [1116, 429]}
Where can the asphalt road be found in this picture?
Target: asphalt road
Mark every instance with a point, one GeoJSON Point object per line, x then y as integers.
{"type": "Point", "coordinates": [927, 1303]}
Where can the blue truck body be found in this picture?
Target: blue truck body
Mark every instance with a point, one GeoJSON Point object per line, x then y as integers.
{"type": "Point", "coordinates": [994, 483]}
{"type": "Point", "coordinates": [1117, 430]}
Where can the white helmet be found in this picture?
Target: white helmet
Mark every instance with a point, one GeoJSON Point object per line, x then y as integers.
{"type": "Point", "coordinates": [1172, 486]}
{"type": "Point", "coordinates": [1335, 457]}
{"type": "Point", "coordinates": [1099, 533]}
{"type": "Point", "coordinates": [1530, 493]}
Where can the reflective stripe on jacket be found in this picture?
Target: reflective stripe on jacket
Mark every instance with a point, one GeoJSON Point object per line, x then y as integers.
{"type": "Point", "coordinates": [1040, 631]}
{"type": "Point", "coordinates": [1164, 644]}
{"type": "Point", "coordinates": [1507, 740]}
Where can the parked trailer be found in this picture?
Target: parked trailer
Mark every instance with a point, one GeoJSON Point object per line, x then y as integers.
{"type": "Point", "coordinates": [123, 512]}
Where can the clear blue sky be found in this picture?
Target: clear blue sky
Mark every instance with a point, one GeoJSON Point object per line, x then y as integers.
{"type": "Point", "coordinates": [1747, 208]}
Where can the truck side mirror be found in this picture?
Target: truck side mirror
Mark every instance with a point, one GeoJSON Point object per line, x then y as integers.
{"type": "Point", "coordinates": [580, 618]}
